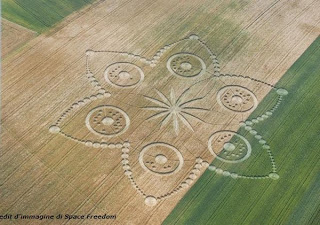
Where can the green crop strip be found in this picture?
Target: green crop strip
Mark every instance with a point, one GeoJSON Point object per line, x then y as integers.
{"type": "Point", "coordinates": [293, 133]}
{"type": "Point", "coordinates": [39, 15]}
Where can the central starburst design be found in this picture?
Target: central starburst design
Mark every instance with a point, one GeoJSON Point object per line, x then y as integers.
{"type": "Point", "coordinates": [174, 109]}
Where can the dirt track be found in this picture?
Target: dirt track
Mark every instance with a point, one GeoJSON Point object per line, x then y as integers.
{"type": "Point", "coordinates": [50, 174]}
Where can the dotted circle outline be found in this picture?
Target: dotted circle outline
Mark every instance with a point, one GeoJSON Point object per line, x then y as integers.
{"type": "Point", "coordinates": [203, 65]}
{"type": "Point", "coordinates": [125, 115]}
{"type": "Point", "coordinates": [255, 100]}
{"type": "Point", "coordinates": [249, 149]}
{"type": "Point", "coordinates": [106, 77]}
{"type": "Point", "coordinates": [147, 147]}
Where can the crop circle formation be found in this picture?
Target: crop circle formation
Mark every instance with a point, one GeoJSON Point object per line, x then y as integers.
{"type": "Point", "coordinates": [160, 159]}
{"type": "Point", "coordinates": [107, 121]}
{"type": "Point", "coordinates": [123, 75]}
{"type": "Point", "coordinates": [237, 98]}
{"type": "Point", "coordinates": [186, 65]}
{"type": "Point", "coordinates": [150, 201]}
{"type": "Point", "coordinates": [229, 147]}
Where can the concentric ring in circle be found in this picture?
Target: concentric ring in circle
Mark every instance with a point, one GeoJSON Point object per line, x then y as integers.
{"type": "Point", "coordinates": [237, 98]}
{"type": "Point", "coordinates": [160, 158]}
{"type": "Point", "coordinates": [123, 75]}
{"type": "Point", "coordinates": [229, 147]}
{"type": "Point", "coordinates": [107, 121]}
{"type": "Point", "coordinates": [186, 65]}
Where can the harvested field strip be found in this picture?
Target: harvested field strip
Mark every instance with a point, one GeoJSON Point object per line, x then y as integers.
{"type": "Point", "coordinates": [13, 36]}
{"type": "Point", "coordinates": [39, 15]}
{"type": "Point", "coordinates": [294, 135]}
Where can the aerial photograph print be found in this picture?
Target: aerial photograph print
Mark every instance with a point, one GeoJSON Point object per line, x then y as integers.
{"type": "Point", "coordinates": [160, 112]}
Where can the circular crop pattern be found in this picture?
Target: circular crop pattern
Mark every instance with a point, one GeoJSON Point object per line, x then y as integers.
{"type": "Point", "coordinates": [282, 92]}
{"type": "Point", "coordinates": [186, 65]}
{"type": "Point", "coordinates": [123, 75]}
{"type": "Point", "coordinates": [228, 146]}
{"type": "Point", "coordinates": [160, 158]}
{"type": "Point", "coordinates": [150, 201]}
{"type": "Point", "coordinates": [237, 98]}
{"type": "Point", "coordinates": [107, 121]}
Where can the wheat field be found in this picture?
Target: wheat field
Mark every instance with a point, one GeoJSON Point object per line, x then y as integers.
{"type": "Point", "coordinates": [56, 159]}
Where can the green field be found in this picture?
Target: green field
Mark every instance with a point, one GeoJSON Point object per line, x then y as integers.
{"type": "Point", "coordinates": [39, 15]}
{"type": "Point", "coordinates": [293, 133]}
